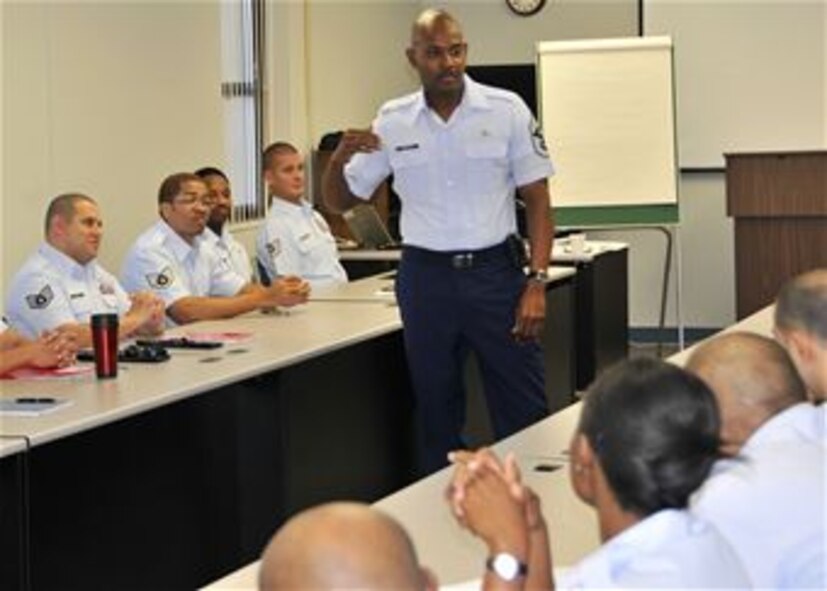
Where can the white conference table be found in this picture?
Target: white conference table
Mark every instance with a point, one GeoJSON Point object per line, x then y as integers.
{"type": "Point", "coordinates": [279, 340]}
{"type": "Point", "coordinates": [11, 445]}
{"type": "Point", "coordinates": [197, 438]}
{"type": "Point", "coordinates": [380, 288]}
{"type": "Point", "coordinates": [453, 554]}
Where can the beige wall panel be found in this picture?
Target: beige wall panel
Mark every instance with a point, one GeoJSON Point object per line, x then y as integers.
{"type": "Point", "coordinates": [105, 98]}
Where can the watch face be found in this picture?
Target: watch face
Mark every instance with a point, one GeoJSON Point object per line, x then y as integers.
{"type": "Point", "coordinates": [525, 7]}
{"type": "Point", "coordinates": [506, 566]}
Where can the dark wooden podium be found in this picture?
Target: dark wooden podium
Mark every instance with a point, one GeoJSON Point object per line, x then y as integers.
{"type": "Point", "coordinates": [779, 203]}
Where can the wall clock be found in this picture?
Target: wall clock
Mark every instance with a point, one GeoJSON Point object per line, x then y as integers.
{"type": "Point", "coordinates": [525, 7]}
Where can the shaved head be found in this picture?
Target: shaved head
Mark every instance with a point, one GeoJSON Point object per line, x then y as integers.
{"type": "Point", "coordinates": [341, 546]}
{"type": "Point", "coordinates": [801, 326]}
{"type": "Point", "coordinates": [431, 19]}
{"type": "Point", "coordinates": [802, 304]}
{"type": "Point", "coordinates": [753, 379]}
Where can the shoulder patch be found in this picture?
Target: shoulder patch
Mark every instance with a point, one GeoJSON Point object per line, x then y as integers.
{"type": "Point", "coordinates": [274, 248]}
{"type": "Point", "coordinates": [537, 139]}
{"type": "Point", "coordinates": [161, 280]}
{"type": "Point", "coordinates": [41, 299]}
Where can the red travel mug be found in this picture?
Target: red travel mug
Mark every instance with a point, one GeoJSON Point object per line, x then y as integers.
{"type": "Point", "coordinates": [105, 344]}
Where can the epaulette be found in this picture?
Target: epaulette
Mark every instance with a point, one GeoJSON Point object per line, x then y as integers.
{"type": "Point", "coordinates": [398, 104]}
{"type": "Point", "coordinates": [500, 94]}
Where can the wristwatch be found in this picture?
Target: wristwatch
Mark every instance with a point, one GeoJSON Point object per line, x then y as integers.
{"type": "Point", "coordinates": [539, 275]}
{"type": "Point", "coordinates": [506, 566]}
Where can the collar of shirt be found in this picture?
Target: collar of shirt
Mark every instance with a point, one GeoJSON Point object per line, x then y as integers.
{"type": "Point", "coordinates": [798, 423]}
{"type": "Point", "coordinates": [647, 536]}
{"type": "Point", "coordinates": [285, 207]}
{"type": "Point", "coordinates": [65, 263]}
{"type": "Point", "coordinates": [214, 239]}
{"type": "Point", "coordinates": [472, 98]}
{"type": "Point", "coordinates": [179, 247]}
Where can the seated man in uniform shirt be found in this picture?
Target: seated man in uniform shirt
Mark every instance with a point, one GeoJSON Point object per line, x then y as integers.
{"type": "Point", "coordinates": [801, 326]}
{"type": "Point", "coordinates": [173, 259]}
{"type": "Point", "coordinates": [295, 239]}
{"type": "Point", "coordinates": [769, 500]}
{"type": "Point", "coordinates": [217, 232]}
{"type": "Point", "coordinates": [55, 348]}
{"type": "Point", "coordinates": [342, 546]}
{"type": "Point", "coordinates": [62, 284]}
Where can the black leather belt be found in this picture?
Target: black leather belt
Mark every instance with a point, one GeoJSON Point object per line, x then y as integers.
{"type": "Point", "coordinates": [458, 259]}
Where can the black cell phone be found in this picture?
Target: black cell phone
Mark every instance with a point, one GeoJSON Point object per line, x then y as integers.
{"type": "Point", "coordinates": [182, 343]}
{"type": "Point", "coordinates": [517, 250]}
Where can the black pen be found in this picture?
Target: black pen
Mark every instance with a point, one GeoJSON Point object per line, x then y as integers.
{"type": "Point", "coordinates": [35, 400]}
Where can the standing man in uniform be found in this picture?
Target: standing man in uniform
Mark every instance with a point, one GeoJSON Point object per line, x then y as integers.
{"type": "Point", "coordinates": [62, 284]}
{"type": "Point", "coordinates": [217, 231]}
{"type": "Point", "coordinates": [457, 151]}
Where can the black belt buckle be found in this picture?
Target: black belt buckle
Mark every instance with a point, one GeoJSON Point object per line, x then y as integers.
{"type": "Point", "coordinates": [463, 260]}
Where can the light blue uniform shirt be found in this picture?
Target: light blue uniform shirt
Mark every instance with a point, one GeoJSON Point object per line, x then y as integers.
{"type": "Point", "coordinates": [52, 289]}
{"type": "Point", "coordinates": [231, 251]}
{"type": "Point", "coordinates": [670, 549]}
{"type": "Point", "coordinates": [769, 502]}
{"type": "Point", "coordinates": [163, 262]}
{"type": "Point", "coordinates": [296, 240]}
{"type": "Point", "coordinates": [456, 179]}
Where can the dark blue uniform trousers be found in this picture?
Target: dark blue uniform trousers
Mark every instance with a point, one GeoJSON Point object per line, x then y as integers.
{"type": "Point", "coordinates": [451, 305]}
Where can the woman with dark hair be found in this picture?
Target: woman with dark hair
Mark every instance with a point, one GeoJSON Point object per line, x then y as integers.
{"type": "Point", "coordinates": [647, 438]}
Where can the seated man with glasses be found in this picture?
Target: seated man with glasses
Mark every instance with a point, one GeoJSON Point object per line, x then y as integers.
{"type": "Point", "coordinates": [174, 260]}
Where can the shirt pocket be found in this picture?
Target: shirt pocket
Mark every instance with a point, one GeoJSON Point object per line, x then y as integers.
{"type": "Point", "coordinates": [304, 238]}
{"type": "Point", "coordinates": [487, 165]}
{"type": "Point", "coordinates": [410, 169]}
{"type": "Point", "coordinates": [110, 300]}
{"type": "Point", "coordinates": [82, 306]}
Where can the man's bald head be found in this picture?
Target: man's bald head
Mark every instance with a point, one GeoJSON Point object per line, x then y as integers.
{"type": "Point", "coordinates": [753, 379]}
{"type": "Point", "coordinates": [431, 19]}
{"type": "Point", "coordinates": [801, 326]}
{"type": "Point", "coordinates": [802, 304]}
{"type": "Point", "coordinates": [341, 546]}
{"type": "Point", "coordinates": [438, 52]}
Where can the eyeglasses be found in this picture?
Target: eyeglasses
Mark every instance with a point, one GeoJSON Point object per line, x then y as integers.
{"type": "Point", "coordinates": [192, 200]}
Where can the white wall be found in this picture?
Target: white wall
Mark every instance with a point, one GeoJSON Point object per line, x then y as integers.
{"type": "Point", "coordinates": [497, 36]}
{"type": "Point", "coordinates": [104, 98]}
{"type": "Point", "coordinates": [749, 75]}
{"type": "Point", "coordinates": [356, 60]}
{"type": "Point", "coordinates": [707, 261]}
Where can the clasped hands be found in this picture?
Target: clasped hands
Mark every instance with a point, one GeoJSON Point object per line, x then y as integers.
{"type": "Point", "coordinates": [488, 497]}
